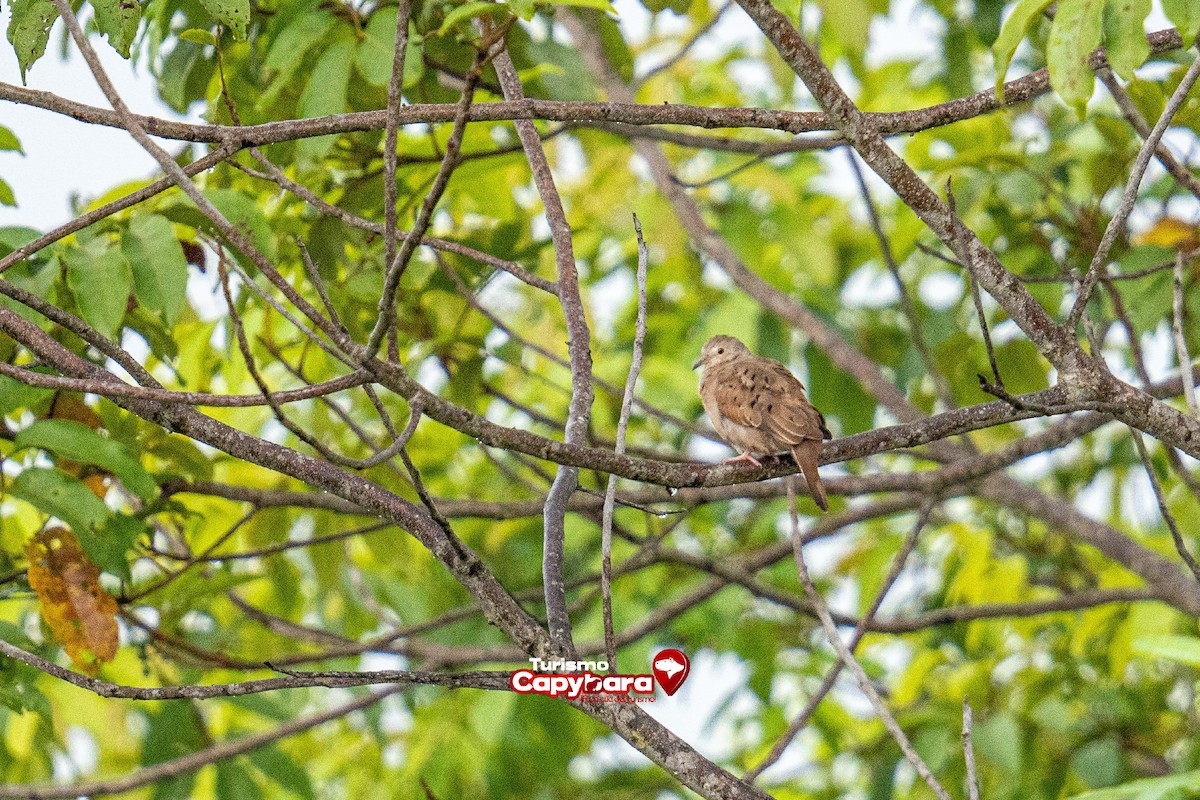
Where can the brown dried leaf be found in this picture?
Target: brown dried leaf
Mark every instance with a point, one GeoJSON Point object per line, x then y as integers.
{"type": "Point", "coordinates": [78, 610]}
{"type": "Point", "coordinates": [70, 405]}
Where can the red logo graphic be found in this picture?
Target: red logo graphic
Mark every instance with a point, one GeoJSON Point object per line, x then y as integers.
{"type": "Point", "coordinates": [671, 668]}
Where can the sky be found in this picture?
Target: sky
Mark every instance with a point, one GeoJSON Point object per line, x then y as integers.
{"type": "Point", "coordinates": [64, 157]}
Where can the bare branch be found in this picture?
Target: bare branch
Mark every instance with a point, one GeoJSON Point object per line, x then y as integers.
{"type": "Point", "coordinates": [114, 388]}
{"type": "Point", "coordinates": [399, 263]}
{"type": "Point", "coordinates": [1129, 196]}
{"type": "Point", "coordinates": [1181, 346]}
{"type": "Point", "coordinates": [969, 752]}
{"type": "Point", "coordinates": [847, 657]}
{"type": "Point", "coordinates": [578, 348]}
{"type": "Point", "coordinates": [1182, 175]}
{"type": "Point", "coordinates": [860, 629]}
{"type": "Point", "coordinates": [635, 367]}
{"type": "Point", "coordinates": [395, 87]}
{"type": "Point", "coordinates": [1167, 516]}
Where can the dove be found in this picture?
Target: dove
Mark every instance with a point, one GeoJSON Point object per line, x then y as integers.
{"type": "Point", "coordinates": [758, 406]}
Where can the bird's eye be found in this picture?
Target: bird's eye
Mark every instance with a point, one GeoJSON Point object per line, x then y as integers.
{"type": "Point", "coordinates": [720, 350]}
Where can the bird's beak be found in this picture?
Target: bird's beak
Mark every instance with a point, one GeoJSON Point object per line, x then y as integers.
{"type": "Point", "coordinates": [698, 362]}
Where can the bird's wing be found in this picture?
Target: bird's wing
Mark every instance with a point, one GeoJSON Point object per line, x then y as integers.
{"type": "Point", "coordinates": [788, 415]}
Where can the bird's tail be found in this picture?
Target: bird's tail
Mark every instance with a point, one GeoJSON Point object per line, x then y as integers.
{"type": "Point", "coordinates": [807, 455]}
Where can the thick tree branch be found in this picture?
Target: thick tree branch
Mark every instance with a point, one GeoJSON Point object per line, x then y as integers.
{"type": "Point", "coordinates": [889, 123]}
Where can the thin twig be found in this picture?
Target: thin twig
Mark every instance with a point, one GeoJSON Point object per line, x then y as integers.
{"type": "Point", "coordinates": [1182, 175]}
{"type": "Point", "coordinates": [1129, 197]}
{"type": "Point", "coordinates": [296, 322]}
{"type": "Point", "coordinates": [395, 88]}
{"type": "Point", "coordinates": [916, 331]}
{"type": "Point", "coordinates": [1017, 91]}
{"type": "Point", "coordinates": [860, 629]}
{"type": "Point", "coordinates": [606, 528]}
{"type": "Point", "coordinates": [1167, 516]}
{"type": "Point", "coordinates": [964, 254]}
{"type": "Point", "coordinates": [192, 761]}
{"type": "Point", "coordinates": [119, 389]}
{"type": "Point", "coordinates": [314, 277]}
{"type": "Point", "coordinates": [969, 752]}
{"type": "Point", "coordinates": [686, 47]}
{"type": "Point", "coordinates": [1181, 346]}
{"type": "Point", "coordinates": [192, 561]}
{"type": "Point", "coordinates": [399, 263]}
{"type": "Point", "coordinates": [847, 657]}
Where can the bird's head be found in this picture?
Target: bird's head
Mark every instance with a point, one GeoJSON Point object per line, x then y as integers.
{"type": "Point", "coordinates": [718, 350]}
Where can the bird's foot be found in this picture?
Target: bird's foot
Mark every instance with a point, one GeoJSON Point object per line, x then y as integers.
{"type": "Point", "coordinates": [743, 457]}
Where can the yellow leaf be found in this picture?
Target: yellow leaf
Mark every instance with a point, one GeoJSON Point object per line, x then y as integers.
{"type": "Point", "coordinates": [80, 613]}
{"type": "Point", "coordinates": [1171, 232]}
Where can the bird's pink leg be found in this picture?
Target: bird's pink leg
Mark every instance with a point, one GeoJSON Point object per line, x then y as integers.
{"type": "Point", "coordinates": [745, 456]}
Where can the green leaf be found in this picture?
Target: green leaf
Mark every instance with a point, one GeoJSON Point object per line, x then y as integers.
{"type": "Point", "coordinates": [1099, 763]}
{"type": "Point", "coordinates": [102, 535]}
{"type": "Point", "coordinates": [234, 782]}
{"type": "Point", "coordinates": [1124, 36]}
{"type": "Point", "coordinates": [599, 5]}
{"type": "Point", "coordinates": [1073, 36]}
{"type": "Point", "coordinates": [848, 21]}
{"type": "Point", "coordinates": [373, 55]}
{"type": "Point", "coordinates": [29, 30]}
{"type": "Point", "coordinates": [1024, 14]}
{"type": "Point", "coordinates": [1184, 649]}
{"type": "Point", "coordinates": [198, 36]}
{"type": "Point", "coordinates": [999, 739]}
{"type": "Point", "coordinates": [7, 197]}
{"type": "Point", "coordinates": [78, 442]}
{"type": "Point", "coordinates": [241, 211]}
{"type": "Point", "coordinates": [118, 20]}
{"type": "Point", "coordinates": [1021, 367]}
{"type": "Point", "coordinates": [287, 51]}
{"type": "Point", "coordinates": [15, 635]}
{"type": "Point", "coordinates": [18, 681]}
{"type": "Point", "coordinates": [12, 237]}
{"type": "Point", "coordinates": [233, 14]}
{"type": "Point", "coordinates": [184, 75]}
{"type": "Point", "coordinates": [100, 279]}
{"type": "Point", "coordinates": [283, 770]}
{"type": "Point", "coordinates": [466, 12]}
{"type": "Point", "coordinates": [1172, 787]}
{"type": "Point", "coordinates": [15, 395]}
{"type": "Point", "coordinates": [160, 269]}
{"type": "Point", "coordinates": [34, 275]}
{"type": "Point", "coordinates": [325, 93]}
{"type": "Point", "coordinates": [174, 731]}
{"type": "Point", "coordinates": [9, 141]}
{"type": "Point", "coordinates": [837, 394]}
{"type": "Point", "coordinates": [152, 328]}
{"type": "Point", "coordinates": [678, 6]}
{"type": "Point", "coordinates": [244, 213]}
{"type": "Point", "coordinates": [1184, 15]}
